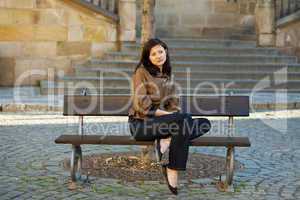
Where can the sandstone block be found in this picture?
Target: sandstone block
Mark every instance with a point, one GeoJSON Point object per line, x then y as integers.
{"type": "Point", "coordinates": [74, 19]}
{"type": "Point", "coordinates": [266, 40]}
{"type": "Point", "coordinates": [5, 17]}
{"type": "Point", "coordinates": [98, 49]}
{"type": "Point", "coordinates": [22, 73]}
{"type": "Point", "coordinates": [7, 75]}
{"type": "Point", "coordinates": [191, 19]}
{"type": "Point", "coordinates": [111, 35]}
{"type": "Point", "coordinates": [222, 20]}
{"type": "Point", "coordinates": [46, 3]}
{"type": "Point", "coordinates": [252, 6]}
{"type": "Point", "coordinates": [172, 20]}
{"type": "Point", "coordinates": [18, 16]}
{"type": "Point", "coordinates": [203, 7]}
{"type": "Point", "coordinates": [60, 66]}
{"type": "Point", "coordinates": [27, 49]}
{"type": "Point", "coordinates": [39, 49]}
{"type": "Point", "coordinates": [31, 71]}
{"type": "Point", "coordinates": [160, 3]}
{"type": "Point", "coordinates": [75, 33]}
{"type": "Point", "coordinates": [31, 17]}
{"type": "Point", "coordinates": [73, 48]}
{"type": "Point", "coordinates": [52, 17]}
{"type": "Point", "coordinates": [225, 7]}
{"type": "Point", "coordinates": [50, 33]}
{"type": "Point", "coordinates": [10, 49]}
{"type": "Point", "coordinates": [192, 6]}
{"type": "Point", "coordinates": [16, 33]}
{"type": "Point", "coordinates": [34, 32]}
{"type": "Point", "coordinates": [95, 34]}
{"type": "Point", "coordinates": [280, 38]}
{"type": "Point", "coordinates": [23, 16]}
{"type": "Point", "coordinates": [243, 8]}
{"type": "Point", "coordinates": [18, 3]}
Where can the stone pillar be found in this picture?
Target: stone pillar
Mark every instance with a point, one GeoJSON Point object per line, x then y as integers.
{"type": "Point", "coordinates": [265, 23]}
{"type": "Point", "coordinates": [127, 23]}
{"type": "Point", "coordinates": [148, 20]}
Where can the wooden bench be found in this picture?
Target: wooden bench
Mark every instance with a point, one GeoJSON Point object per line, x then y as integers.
{"type": "Point", "coordinates": [117, 105]}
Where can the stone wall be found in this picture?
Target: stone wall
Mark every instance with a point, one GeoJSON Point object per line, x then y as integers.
{"type": "Point", "coordinates": [42, 36]}
{"type": "Point", "coordinates": [204, 18]}
{"type": "Point", "coordinates": [288, 34]}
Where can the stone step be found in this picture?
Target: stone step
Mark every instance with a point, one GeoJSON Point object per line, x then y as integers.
{"type": "Point", "coordinates": [127, 56]}
{"type": "Point", "coordinates": [236, 32]}
{"type": "Point", "coordinates": [192, 66]}
{"type": "Point", "coordinates": [211, 51]}
{"type": "Point", "coordinates": [204, 43]}
{"type": "Point", "coordinates": [199, 74]}
{"type": "Point", "coordinates": [19, 91]}
{"type": "Point", "coordinates": [61, 88]}
{"type": "Point", "coordinates": [240, 35]}
{"type": "Point", "coordinates": [243, 37]}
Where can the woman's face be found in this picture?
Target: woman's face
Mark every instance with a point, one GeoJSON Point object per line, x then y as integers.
{"type": "Point", "coordinates": [158, 55]}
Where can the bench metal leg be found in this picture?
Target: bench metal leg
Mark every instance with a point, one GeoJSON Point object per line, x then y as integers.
{"type": "Point", "coordinates": [76, 162]}
{"type": "Point", "coordinates": [229, 165]}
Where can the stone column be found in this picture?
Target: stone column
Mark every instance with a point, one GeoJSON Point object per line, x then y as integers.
{"type": "Point", "coordinates": [127, 23]}
{"type": "Point", "coordinates": [265, 23]}
{"type": "Point", "coordinates": [148, 20]}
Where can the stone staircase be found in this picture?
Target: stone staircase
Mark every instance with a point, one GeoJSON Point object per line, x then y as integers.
{"type": "Point", "coordinates": [200, 66]}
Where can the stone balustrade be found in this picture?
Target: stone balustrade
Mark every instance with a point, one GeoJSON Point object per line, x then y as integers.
{"type": "Point", "coordinates": [108, 5]}
{"type": "Point", "coordinates": [286, 7]}
{"type": "Point", "coordinates": [124, 11]}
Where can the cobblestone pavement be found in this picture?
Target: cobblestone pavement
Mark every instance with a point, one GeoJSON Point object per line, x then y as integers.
{"type": "Point", "coordinates": [30, 161]}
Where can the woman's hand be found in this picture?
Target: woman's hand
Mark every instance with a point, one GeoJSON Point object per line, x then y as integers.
{"type": "Point", "coordinates": [160, 112]}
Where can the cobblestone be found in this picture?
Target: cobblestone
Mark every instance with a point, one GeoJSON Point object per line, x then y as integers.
{"type": "Point", "coordinates": [30, 161]}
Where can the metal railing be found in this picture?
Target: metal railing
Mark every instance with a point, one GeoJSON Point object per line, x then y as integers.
{"type": "Point", "coordinates": [286, 7]}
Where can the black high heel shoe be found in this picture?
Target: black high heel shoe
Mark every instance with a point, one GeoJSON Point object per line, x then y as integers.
{"type": "Point", "coordinates": [171, 188]}
{"type": "Point", "coordinates": [157, 150]}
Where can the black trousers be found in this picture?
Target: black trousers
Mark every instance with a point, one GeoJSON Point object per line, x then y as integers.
{"type": "Point", "coordinates": [179, 126]}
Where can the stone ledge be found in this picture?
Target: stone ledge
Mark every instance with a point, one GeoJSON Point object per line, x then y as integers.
{"type": "Point", "coordinates": [277, 106]}
{"type": "Point", "coordinates": [14, 107]}
{"type": "Point", "coordinates": [28, 108]}
{"type": "Point", "coordinates": [288, 19]}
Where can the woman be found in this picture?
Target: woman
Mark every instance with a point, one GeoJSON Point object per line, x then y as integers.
{"type": "Point", "coordinates": [155, 113]}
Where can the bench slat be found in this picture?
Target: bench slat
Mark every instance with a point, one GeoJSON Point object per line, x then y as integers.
{"type": "Point", "coordinates": [128, 140]}
{"type": "Point", "coordinates": [117, 105]}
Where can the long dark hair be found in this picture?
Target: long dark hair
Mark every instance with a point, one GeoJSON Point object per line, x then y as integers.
{"type": "Point", "coordinates": [145, 61]}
